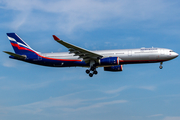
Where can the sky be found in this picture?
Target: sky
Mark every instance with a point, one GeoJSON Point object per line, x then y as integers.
{"type": "Point", "coordinates": [139, 92]}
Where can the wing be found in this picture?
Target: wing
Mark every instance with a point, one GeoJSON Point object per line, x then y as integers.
{"type": "Point", "coordinates": [82, 53]}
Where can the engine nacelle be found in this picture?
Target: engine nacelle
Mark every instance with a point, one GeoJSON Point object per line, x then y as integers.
{"type": "Point", "coordinates": [109, 61]}
{"type": "Point", "coordinates": [116, 68]}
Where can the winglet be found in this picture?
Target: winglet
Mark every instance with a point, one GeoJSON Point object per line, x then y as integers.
{"type": "Point", "coordinates": [55, 38]}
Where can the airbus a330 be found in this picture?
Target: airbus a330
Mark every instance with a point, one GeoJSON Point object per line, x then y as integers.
{"type": "Point", "coordinates": [111, 60]}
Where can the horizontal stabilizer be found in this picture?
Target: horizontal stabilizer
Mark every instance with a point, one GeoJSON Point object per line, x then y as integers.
{"type": "Point", "coordinates": [15, 55]}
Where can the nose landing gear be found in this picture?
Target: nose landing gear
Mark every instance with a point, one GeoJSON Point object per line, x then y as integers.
{"type": "Point", "coordinates": [161, 65]}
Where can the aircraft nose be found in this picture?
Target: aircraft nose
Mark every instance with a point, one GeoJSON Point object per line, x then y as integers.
{"type": "Point", "coordinates": [175, 54]}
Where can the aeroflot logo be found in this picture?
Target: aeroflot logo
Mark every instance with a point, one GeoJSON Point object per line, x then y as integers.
{"type": "Point", "coordinates": [149, 49]}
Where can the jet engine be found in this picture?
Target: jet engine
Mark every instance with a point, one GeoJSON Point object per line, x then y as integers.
{"type": "Point", "coordinates": [109, 61]}
{"type": "Point", "coordinates": [116, 68]}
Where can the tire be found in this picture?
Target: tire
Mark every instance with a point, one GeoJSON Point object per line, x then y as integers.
{"type": "Point", "coordinates": [92, 68]}
{"type": "Point", "coordinates": [95, 72]}
{"type": "Point", "coordinates": [87, 71]}
{"type": "Point", "coordinates": [90, 74]}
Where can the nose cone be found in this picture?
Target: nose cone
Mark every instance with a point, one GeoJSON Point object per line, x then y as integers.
{"type": "Point", "coordinates": [175, 54]}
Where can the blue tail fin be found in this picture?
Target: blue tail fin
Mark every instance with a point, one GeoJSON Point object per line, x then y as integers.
{"type": "Point", "coordinates": [19, 46]}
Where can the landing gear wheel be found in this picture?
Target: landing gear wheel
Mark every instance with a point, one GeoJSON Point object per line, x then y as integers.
{"type": "Point", "coordinates": [92, 68]}
{"type": "Point", "coordinates": [90, 74]}
{"type": "Point", "coordinates": [87, 71]}
{"type": "Point", "coordinates": [95, 72]}
{"type": "Point", "coordinates": [160, 67]}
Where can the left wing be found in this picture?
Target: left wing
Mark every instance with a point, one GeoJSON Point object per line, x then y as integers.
{"type": "Point", "coordinates": [82, 53]}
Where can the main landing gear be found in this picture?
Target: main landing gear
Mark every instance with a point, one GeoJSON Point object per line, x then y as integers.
{"type": "Point", "coordinates": [161, 65]}
{"type": "Point", "coordinates": [94, 71]}
{"type": "Point", "coordinates": [92, 68]}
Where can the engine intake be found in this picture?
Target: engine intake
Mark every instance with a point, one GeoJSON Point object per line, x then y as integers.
{"type": "Point", "coordinates": [116, 68]}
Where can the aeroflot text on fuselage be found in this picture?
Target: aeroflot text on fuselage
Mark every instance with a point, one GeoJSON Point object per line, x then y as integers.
{"type": "Point", "coordinates": [148, 48]}
{"type": "Point", "coordinates": [111, 60]}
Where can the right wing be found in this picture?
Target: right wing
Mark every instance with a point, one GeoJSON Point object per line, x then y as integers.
{"type": "Point", "coordinates": [82, 53]}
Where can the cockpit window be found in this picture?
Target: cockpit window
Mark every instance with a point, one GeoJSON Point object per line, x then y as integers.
{"type": "Point", "coordinates": [171, 51]}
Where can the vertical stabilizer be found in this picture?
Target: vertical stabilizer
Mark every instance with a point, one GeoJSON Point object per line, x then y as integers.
{"type": "Point", "coordinates": [19, 46]}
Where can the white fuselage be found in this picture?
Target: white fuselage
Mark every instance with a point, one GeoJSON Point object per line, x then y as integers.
{"type": "Point", "coordinates": [126, 56]}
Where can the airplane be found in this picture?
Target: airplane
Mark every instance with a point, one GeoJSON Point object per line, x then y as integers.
{"type": "Point", "coordinates": [111, 60]}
